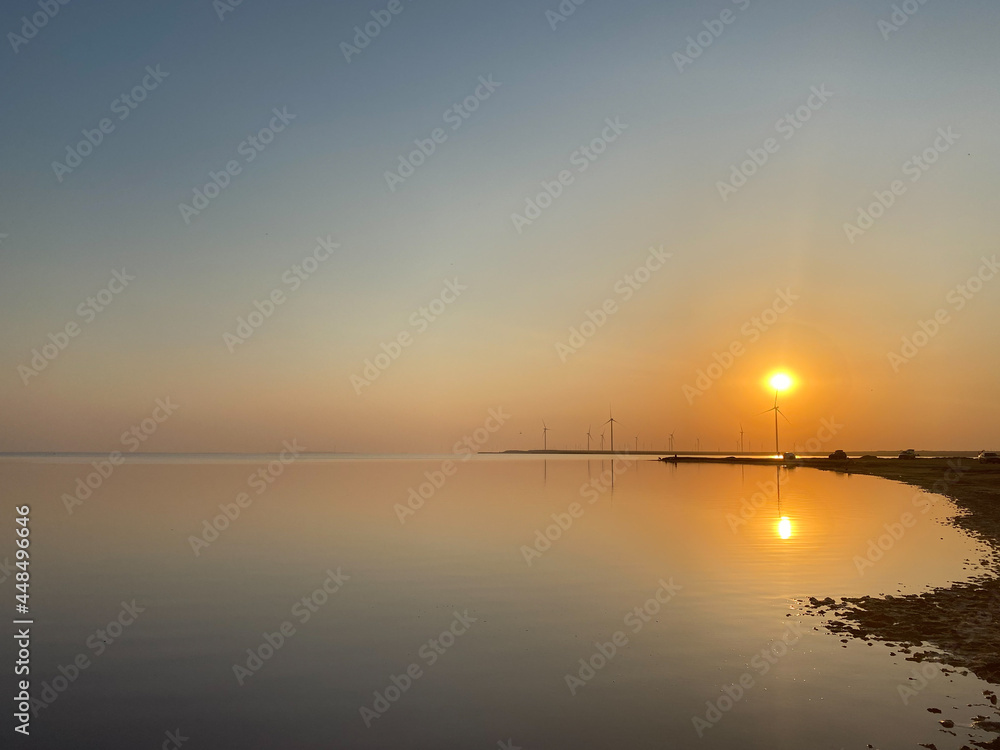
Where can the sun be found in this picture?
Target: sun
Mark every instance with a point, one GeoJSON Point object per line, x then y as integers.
{"type": "Point", "coordinates": [781, 381]}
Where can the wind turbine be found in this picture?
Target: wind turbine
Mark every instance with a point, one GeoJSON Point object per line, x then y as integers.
{"type": "Point", "coordinates": [588, 439]}
{"type": "Point", "coordinates": [602, 441]}
{"type": "Point", "coordinates": [612, 421]}
{"type": "Point", "coordinates": [671, 442]}
{"type": "Point", "coordinates": [636, 443]}
{"type": "Point", "coordinates": [779, 382]}
{"type": "Point", "coordinates": [545, 436]}
{"type": "Point", "coordinates": [741, 438]}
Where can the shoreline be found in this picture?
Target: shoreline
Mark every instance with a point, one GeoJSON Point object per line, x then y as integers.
{"type": "Point", "coordinates": [960, 622]}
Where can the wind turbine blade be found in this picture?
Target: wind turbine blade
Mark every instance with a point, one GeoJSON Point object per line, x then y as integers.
{"type": "Point", "coordinates": [783, 415]}
{"type": "Point", "coordinates": [765, 412]}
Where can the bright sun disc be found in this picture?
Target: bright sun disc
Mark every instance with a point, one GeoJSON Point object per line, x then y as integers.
{"type": "Point", "coordinates": [781, 382]}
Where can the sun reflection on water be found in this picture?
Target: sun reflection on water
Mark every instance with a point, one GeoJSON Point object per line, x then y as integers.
{"type": "Point", "coordinates": [785, 527]}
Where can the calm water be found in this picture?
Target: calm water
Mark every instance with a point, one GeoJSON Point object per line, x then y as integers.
{"type": "Point", "coordinates": [732, 601]}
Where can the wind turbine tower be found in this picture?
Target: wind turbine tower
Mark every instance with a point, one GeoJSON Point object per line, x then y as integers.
{"type": "Point", "coordinates": [780, 383]}
{"type": "Point", "coordinates": [612, 421]}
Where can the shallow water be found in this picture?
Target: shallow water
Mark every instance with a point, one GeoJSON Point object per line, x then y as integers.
{"type": "Point", "coordinates": [730, 586]}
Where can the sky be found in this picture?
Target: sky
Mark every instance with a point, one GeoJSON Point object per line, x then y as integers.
{"type": "Point", "coordinates": [702, 175]}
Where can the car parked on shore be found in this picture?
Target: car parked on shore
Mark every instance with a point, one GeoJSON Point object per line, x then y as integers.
{"type": "Point", "coordinates": [989, 457]}
{"type": "Point", "coordinates": [909, 453]}
{"type": "Point", "coordinates": [839, 455]}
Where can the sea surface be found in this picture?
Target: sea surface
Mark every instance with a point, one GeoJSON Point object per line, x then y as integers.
{"type": "Point", "coordinates": [518, 602]}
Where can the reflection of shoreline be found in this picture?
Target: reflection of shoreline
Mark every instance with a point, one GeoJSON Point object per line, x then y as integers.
{"type": "Point", "coordinates": [764, 457]}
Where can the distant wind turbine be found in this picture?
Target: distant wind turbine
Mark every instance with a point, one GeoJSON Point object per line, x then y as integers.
{"type": "Point", "coordinates": [545, 436]}
{"type": "Point", "coordinates": [602, 440]}
{"type": "Point", "coordinates": [671, 442]}
{"type": "Point", "coordinates": [741, 438]}
{"type": "Point", "coordinates": [612, 421]}
{"type": "Point", "coordinates": [588, 439]}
